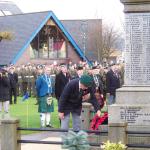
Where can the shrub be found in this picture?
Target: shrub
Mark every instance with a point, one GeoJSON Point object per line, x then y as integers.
{"type": "Point", "coordinates": [5, 35]}
{"type": "Point", "coordinates": [113, 146]}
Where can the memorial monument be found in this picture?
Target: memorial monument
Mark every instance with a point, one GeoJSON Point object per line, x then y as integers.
{"type": "Point", "coordinates": [133, 99]}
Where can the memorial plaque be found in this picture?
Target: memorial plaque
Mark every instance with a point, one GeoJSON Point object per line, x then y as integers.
{"type": "Point", "coordinates": [137, 55]}
{"type": "Point", "coordinates": [133, 115]}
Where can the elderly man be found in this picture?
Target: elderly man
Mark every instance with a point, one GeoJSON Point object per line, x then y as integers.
{"type": "Point", "coordinates": [112, 83]}
{"type": "Point", "coordinates": [62, 78]}
{"type": "Point", "coordinates": [75, 92]}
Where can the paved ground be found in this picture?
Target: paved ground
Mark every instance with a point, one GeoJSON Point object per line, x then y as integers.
{"type": "Point", "coordinates": [43, 136]}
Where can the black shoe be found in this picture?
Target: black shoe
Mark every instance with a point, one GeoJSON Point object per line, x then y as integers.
{"type": "Point", "coordinates": [49, 125]}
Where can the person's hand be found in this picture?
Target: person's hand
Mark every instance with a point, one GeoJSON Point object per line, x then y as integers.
{"type": "Point", "coordinates": [102, 96]}
{"type": "Point", "coordinates": [61, 115]}
{"type": "Point", "coordinates": [98, 113]}
{"type": "Point", "coordinates": [86, 97]}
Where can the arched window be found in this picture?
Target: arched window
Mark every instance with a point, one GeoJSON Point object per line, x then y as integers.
{"type": "Point", "coordinates": [49, 43]}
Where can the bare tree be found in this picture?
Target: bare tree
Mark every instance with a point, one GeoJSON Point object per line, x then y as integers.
{"type": "Point", "coordinates": [104, 38]}
{"type": "Point", "coordinates": [110, 37]}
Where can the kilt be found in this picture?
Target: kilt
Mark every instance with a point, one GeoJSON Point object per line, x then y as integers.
{"type": "Point", "coordinates": [43, 106]}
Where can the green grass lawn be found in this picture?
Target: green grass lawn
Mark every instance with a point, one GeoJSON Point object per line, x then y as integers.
{"type": "Point", "coordinates": [28, 114]}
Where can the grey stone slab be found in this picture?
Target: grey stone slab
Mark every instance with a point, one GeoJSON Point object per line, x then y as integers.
{"type": "Point", "coordinates": [134, 115]}
{"type": "Point", "coordinates": [133, 95]}
{"type": "Point", "coordinates": [137, 62]}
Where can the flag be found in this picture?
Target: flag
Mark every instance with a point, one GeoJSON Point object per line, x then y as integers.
{"type": "Point", "coordinates": [25, 96]}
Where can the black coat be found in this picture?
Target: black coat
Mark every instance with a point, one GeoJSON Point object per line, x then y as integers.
{"type": "Point", "coordinates": [13, 79]}
{"type": "Point", "coordinates": [60, 81]}
{"type": "Point", "coordinates": [4, 88]}
{"type": "Point", "coordinates": [71, 98]}
{"type": "Point", "coordinates": [112, 82]}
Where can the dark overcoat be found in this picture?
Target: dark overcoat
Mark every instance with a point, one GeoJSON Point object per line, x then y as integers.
{"type": "Point", "coordinates": [13, 80]}
{"type": "Point", "coordinates": [112, 82]}
{"type": "Point", "coordinates": [71, 98]}
{"type": "Point", "coordinates": [60, 82]}
{"type": "Point", "coordinates": [4, 88]}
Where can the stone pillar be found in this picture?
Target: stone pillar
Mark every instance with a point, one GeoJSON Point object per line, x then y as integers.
{"type": "Point", "coordinates": [133, 99]}
{"type": "Point", "coordinates": [117, 132]}
{"type": "Point", "coordinates": [86, 116]}
{"type": "Point", "coordinates": [9, 134]}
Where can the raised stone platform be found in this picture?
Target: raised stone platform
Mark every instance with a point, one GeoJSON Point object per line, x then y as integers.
{"type": "Point", "coordinates": [133, 95]}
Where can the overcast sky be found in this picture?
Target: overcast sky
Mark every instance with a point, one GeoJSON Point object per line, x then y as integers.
{"type": "Point", "coordinates": [111, 11]}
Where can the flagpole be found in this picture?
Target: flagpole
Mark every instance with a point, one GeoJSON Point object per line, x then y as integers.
{"type": "Point", "coordinates": [26, 97]}
{"type": "Point", "coordinates": [27, 115]}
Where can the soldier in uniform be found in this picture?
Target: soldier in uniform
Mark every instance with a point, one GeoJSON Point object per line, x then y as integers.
{"type": "Point", "coordinates": [24, 76]}
{"type": "Point", "coordinates": [34, 80]}
{"type": "Point", "coordinates": [30, 79]}
{"type": "Point", "coordinates": [19, 84]}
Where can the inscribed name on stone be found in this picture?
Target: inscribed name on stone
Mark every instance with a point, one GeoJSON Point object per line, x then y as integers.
{"type": "Point", "coordinates": [135, 115]}
{"type": "Point", "coordinates": [137, 55]}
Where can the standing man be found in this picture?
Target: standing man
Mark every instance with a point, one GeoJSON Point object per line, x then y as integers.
{"type": "Point", "coordinates": [13, 76]}
{"type": "Point", "coordinates": [76, 92]}
{"type": "Point", "coordinates": [112, 83]}
{"type": "Point", "coordinates": [24, 76]}
{"type": "Point", "coordinates": [62, 78]}
{"type": "Point", "coordinates": [44, 92]}
{"type": "Point", "coordinates": [98, 85]}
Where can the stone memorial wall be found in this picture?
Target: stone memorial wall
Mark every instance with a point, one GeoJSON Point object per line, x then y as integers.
{"type": "Point", "coordinates": [137, 56]}
{"type": "Point", "coordinates": [133, 115]}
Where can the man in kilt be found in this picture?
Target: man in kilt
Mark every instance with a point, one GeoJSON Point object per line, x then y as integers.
{"type": "Point", "coordinates": [44, 92]}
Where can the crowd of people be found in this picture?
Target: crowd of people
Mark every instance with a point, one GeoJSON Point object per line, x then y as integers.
{"type": "Point", "coordinates": [71, 84]}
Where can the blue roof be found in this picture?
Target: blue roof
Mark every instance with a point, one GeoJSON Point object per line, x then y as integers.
{"type": "Point", "coordinates": [24, 28]}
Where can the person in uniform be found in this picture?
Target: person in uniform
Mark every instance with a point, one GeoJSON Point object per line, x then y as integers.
{"type": "Point", "coordinates": [19, 84]}
{"type": "Point", "coordinates": [30, 79]}
{"type": "Point", "coordinates": [24, 76]}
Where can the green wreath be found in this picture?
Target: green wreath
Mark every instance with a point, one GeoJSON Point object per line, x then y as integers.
{"type": "Point", "coordinates": [75, 141]}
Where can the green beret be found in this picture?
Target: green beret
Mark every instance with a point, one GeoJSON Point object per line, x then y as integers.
{"type": "Point", "coordinates": [86, 80]}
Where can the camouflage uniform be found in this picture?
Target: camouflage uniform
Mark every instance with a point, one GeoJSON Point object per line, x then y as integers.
{"type": "Point", "coordinates": [24, 75]}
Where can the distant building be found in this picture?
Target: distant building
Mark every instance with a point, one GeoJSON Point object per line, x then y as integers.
{"type": "Point", "coordinates": [37, 38]}
{"type": "Point", "coordinates": [41, 38]}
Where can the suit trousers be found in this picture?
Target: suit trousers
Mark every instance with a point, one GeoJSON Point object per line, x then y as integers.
{"type": "Point", "coordinates": [76, 122]}
{"type": "Point", "coordinates": [13, 92]}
